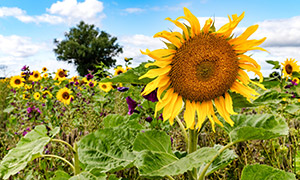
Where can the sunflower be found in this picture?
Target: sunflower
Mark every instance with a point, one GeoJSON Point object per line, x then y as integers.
{"type": "Point", "coordinates": [28, 86]}
{"type": "Point", "coordinates": [64, 95]}
{"type": "Point", "coordinates": [105, 86]}
{"type": "Point", "coordinates": [289, 66]}
{"type": "Point", "coordinates": [36, 95]}
{"type": "Point", "coordinates": [45, 75]}
{"type": "Point", "coordinates": [44, 69]}
{"type": "Point", "coordinates": [200, 67]}
{"type": "Point", "coordinates": [119, 70]}
{"type": "Point", "coordinates": [47, 93]}
{"type": "Point", "coordinates": [60, 75]}
{"type": "Point", "coordinates": [23, 74]}
{"type": "Point", "coordinates": [16, 81]}
{"type": "Point", "coordinates": [36, 76]}
{"type": "Point", "coordinates": [74, 79]}
{"type": "Point", "coordinates": [26, 96]}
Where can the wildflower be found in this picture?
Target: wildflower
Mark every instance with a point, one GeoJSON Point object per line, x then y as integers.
{"type": "Point", "coordinates": [151, 96]}
{"type": "Point", "coordinates": [44, 69]}
{"type": "Point", "coordinates": [131, 105]}
{"type": "Point", "coordinates": [204, 77]}
{"type": "Point", "coordinates": [45, 75]}
{"type": "Point", "coordinates": [64, 95]}
{"type": "Point", "coordinates": [122, 89]}
{"type": "Point", "coordinates": [105, 86]}
{"type": "Point", "coordinates": [283, 99]}
{"type": "Point", "coordinates": [35, 76]}
{"type": "Point", "coordinates": [119, 70]}
{"type": "Point", "coordinates": [24, 68]}
{"type": "Point", "coordinates": [89, 77]}
{"type": "Point", "coordinates": [295, 81]}
{"type": "Point", "coordinates": [16, 82]}
{"type": "Point", "coordinates": [36, 95]}
{"type": "Point", "coordinates": [60, 75]}
{"type": "Point", "coordinates": [149, 119]}
{"type": "Point", "coordinates": [289, 66]}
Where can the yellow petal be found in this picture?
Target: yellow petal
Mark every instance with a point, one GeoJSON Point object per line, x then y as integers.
{"type": "Point", "coordinates": [207, 25]}
{"type": "Point", "coordinates": [200, 108]}
{"type": "Point", "coordinates": [221, 108]}
{"type": "Point", "coordinates": [228, 104]}
{"type": "Point", "coordinates": [170, 37]}
{"type": "Point", "coordinates": [160, 54]}
{"type": "Point", "coordinates": [168, 96]}
{"type": "Point", "coordinates": [181, 26]}
{"type": "Point", "coordinates": [176, 109]}
{"type": "Point", "coordinates": [152, 73]}
{"type": "Point", "coordinates": [241, 48]}
{"type": "Point", "coordinates": [160, 64]}
{"type": "Point", "coordinates": [253, 69]}
{"type": "Point", "coordinates": [244, 36]}
{"type": "Point", "coordinates": [248, 60]}
{"type": "Point", "coordinates": [243, 77]}
{"type": "Point", "coordinates": [168, 109]}
{"type": "Point", "coordinates": [189, 114]}
{"type": "Point", "coordinates": [244, 90]}
{"type": "Point", "coordinates": [158, 82]}
{"type": "Point", "coordinates": [161, 89]}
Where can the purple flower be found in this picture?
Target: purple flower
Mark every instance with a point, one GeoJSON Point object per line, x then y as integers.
{"type": "Point", "coordinates": [294, 83]}
{"type": "Point", "coordinates": [38, 110]}
{"type": "Point", "coordinates": [151, 96]}
{"type": "Point", "coordinates": [24, 133]}
{"type": "Point", "coordinates": [287, 86]}
{"type": "Point", "coordinates": [71, 83]}
{"type": "Point", "coordinates": [29, 110]}
{"type": "Point", "coordinates": [149, 119]}
{"type": "Point", "coordinates": [131, 105]}
{"type": "Point", "coordinates": [89, 77]}
{"type": "Point", "coordinates": [122, 89]}
{"type": "Point", "coordinates": [161, 117]}
{"type": "Point", "coordinates": [91, 84]}
{"type": "Point", "coordinates": [24, 68]}
{"type": "Point", "coordinates": [76, 83]}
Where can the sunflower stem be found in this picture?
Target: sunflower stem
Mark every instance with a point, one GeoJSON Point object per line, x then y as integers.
{"type": "Point", "coordinates": [202, 175]}
{"type": "Point", "coordinates": [192, 147]}
{"type": "Point", "coordinates": [63, 142]}
{"type": "Point", "coordinates": [169, 177]}
{"type": "Point", "coordinates": [76, 160]}
{"type": "Point", "coordinates": [61, 158]}
{"type": "Point", "coordinates": [183, 130]}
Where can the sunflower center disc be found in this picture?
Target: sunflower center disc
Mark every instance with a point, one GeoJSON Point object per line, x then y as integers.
{"type": "Point", "coordinates": [288, 69]}
{"type": "Point", "coordinates": [17, 81]}
{"type": "Point", "coordinates": [36, 75]}
{"type": "Point", "coordinates": [61, 74]}
{"type": "Point", "coordinates": [65, 95]}
{"type": "Point", "coordinates": [204, 68]}
{"type": "Point", "coordinates": [104, 86]}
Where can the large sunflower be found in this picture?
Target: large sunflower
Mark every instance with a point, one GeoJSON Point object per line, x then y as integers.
{"type": "Point", "coordinates": [64, 95]}
{"type": "Point", "coordinates": [105, 86]}
{"type": "Point", "coordinates": [200, 67]}
{"type": "Point", "coordinates": [16, 81]}
{"type": "Point", "coordinates": [36, 76]}
{"type": "Point", "coordinates": [289, 66]}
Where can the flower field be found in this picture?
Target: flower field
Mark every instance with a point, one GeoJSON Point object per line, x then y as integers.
{"type": "Point", "coordinates": [191, 112]}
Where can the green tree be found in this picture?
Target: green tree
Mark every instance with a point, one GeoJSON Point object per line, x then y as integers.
{"type": "Point", "coordinates": [87, 47]}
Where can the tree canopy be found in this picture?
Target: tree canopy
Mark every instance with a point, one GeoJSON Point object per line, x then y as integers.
{"type": "Point", "coordinates": [87, 47]}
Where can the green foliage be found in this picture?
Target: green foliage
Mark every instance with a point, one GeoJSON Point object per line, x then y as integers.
{"type": "Point", "coordinates": [131, 76]}
{"type": "Point", "coordinates": [275, 63]}
{"type": "Point", "coordinates": [61, 175]}
{"type": "Point", "coordinates": [29, 148]}
{"type": "Point", "coordinates": [86, 47]}
{"type": "Point", "coordinates": [258, 171]}
{"type": "Point", "coordinates": [109, 149]}
{"type": "Point", "coordinates": [88, 176]}
{"type": "Point", "coordinates": [254, 127]}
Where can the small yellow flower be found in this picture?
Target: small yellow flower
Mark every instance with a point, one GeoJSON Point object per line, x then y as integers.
{"type": "Point", "coordinates": [60, 75]}
{"type": "Point", "coordinates": [16, 81]}
{"type": "Point", "coordinates": [283, 99]}
{"type": "Point", "coordinates": [105, 86]}
{"type": "Point", "coordinates": [296, 80]}
{"type": "Point", "coordinates": [44, 69]}
{"type": "Point", "coordinates": [299, 100]}
{"type": "Point", "coordinates": [119, 70]}
{"type": "Point", "coordinates": [47, 94]}
{"type": "Point", "coordinates": [289, 66]}
{"type": "Point", "coordinates": [37, 96]}
{"type": "Point", "coordinates": [45, 75]}
{"type": "Point", "coordinates": [26, 96]}
{"type": "Point", "coordinates": [36, 76]}
{"type": "Point", "coordinates": [64, 95]}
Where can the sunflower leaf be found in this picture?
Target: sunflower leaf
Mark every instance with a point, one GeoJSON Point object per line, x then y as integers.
{"type": "Point", "coordinates": [259, 171]}
{"type": "Point", "coordinates": [275, 63]}
{"type": "Point", "coordinates": [256, 127]}
{"type": "Point", "coordinates": [108, 149]}
{"type": "Point", "coordinates": [28, 148]}
{"type": "Point", "coordinates": [131, 76]}
{"type": "Point", "coordinates": [160, 164]}
{"type": "Point", "coordinates": [88, 176]}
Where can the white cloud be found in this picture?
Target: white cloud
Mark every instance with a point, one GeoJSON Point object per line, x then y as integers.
{"type": "Point", "coordinates": [66, 11]}
{"type": "Point", "coordinates": [134, 10]}
{"type": "Point", "coordinates": [17, 46]}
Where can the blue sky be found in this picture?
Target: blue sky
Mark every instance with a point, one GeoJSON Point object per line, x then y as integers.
{"type": "Point", "coordinates": [28, 28]}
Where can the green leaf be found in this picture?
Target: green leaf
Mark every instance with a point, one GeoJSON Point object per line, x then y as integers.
{"type": "Point", "coordinates": [239, 101]}
{"type": "Point", "coordinates": [222, 160]}
{"type": "Point", "coordinates": [108, 149]}
{"type": "Point", "coordinates": [270, 83]}
{"type": "Point", "coordinates": [9, 109]}
{"type": "Point", "coordinates": [259, 171]}
{"type": "Point", "coordinates": [297, 162]}
{"type": "Point", "coordinates": [275, 63]}
{"type": "Point", "coordinates": [269, 97]}
{"type": "Point", "coordinates": [29, 148]}
{"type": "Point", "coordinates": [291, 108]}
{"type": "Point", "coordinates": [60, 175]}
{"type": "Point", "coordinates": [88, 176]}
{"type": "Point", "coordinates": [116, 120]}
{"type": "Point", "coordinates": [256, 127]}
{"type": "Point", "coordinates": [160, 164]}
{"type": "Point", "coordinates": [154, 141]}
{"type": "Point", "coordinates": [132, 76]}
